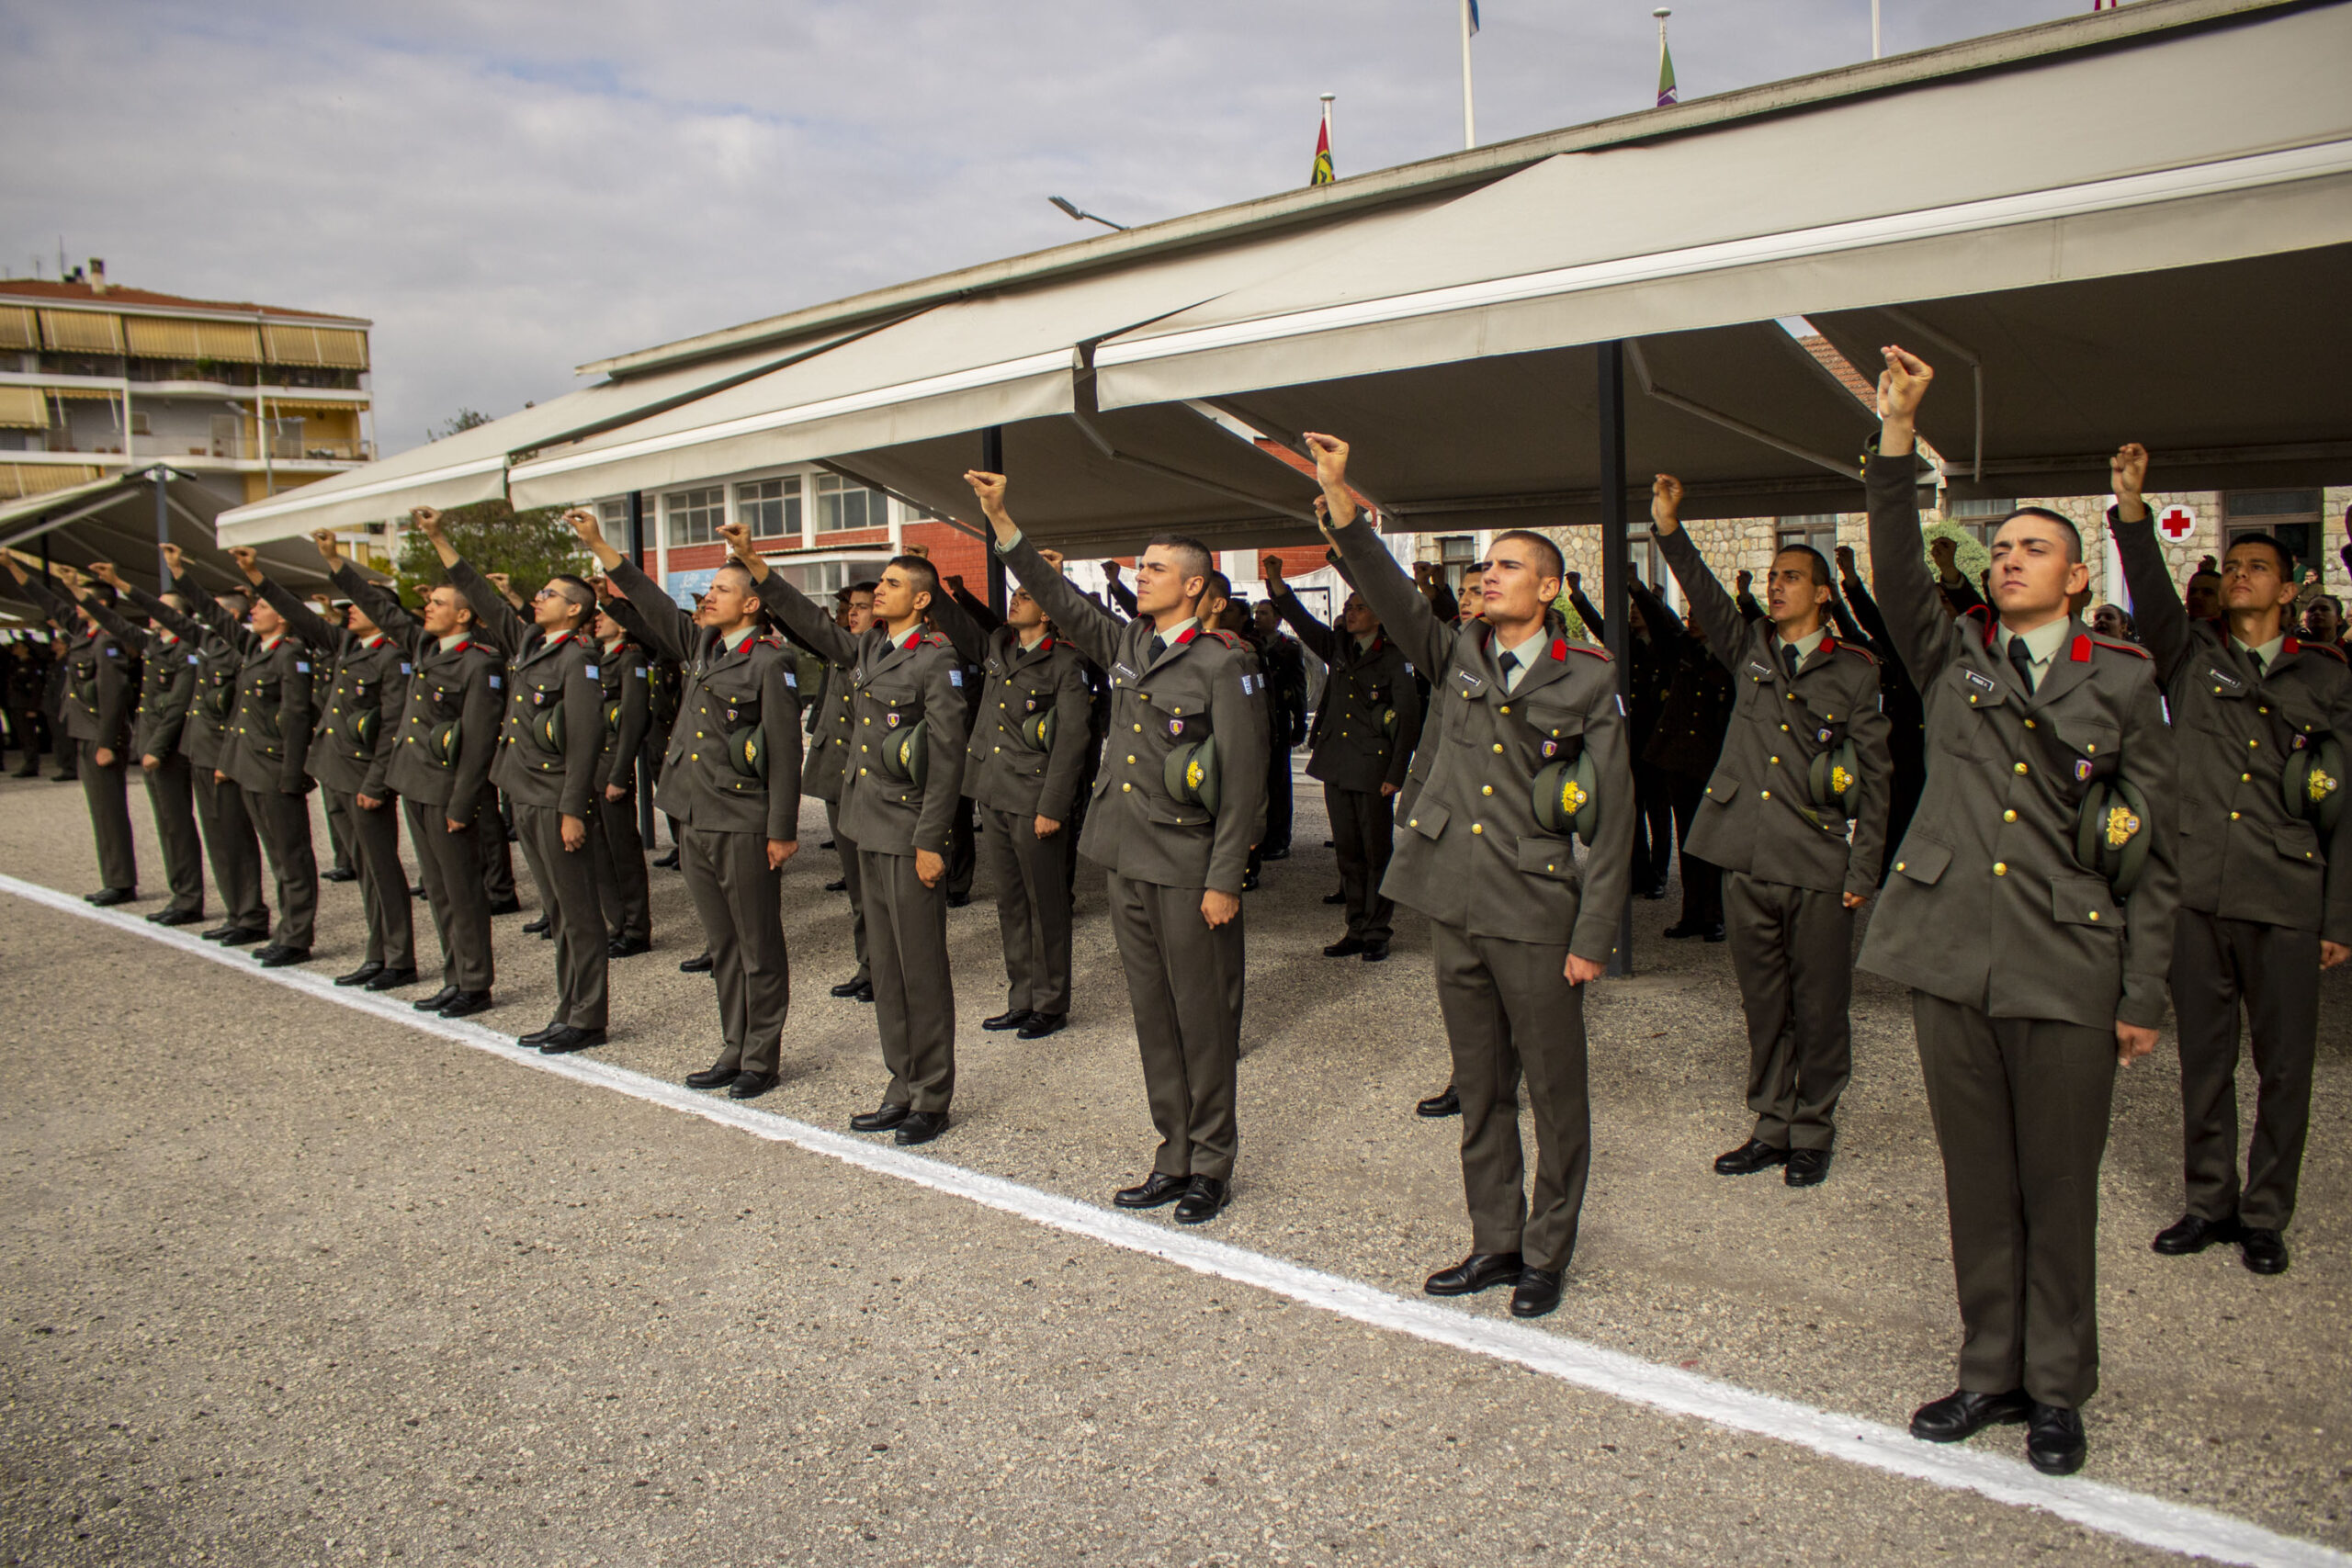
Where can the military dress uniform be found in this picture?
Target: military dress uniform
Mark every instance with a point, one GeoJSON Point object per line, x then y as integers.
{"type": "Point", "coordinates": [2022, 956]}
{"type": "Point", "coordinates": [1162, 851]}
{"type": "Point", "coordinates": [231, 845]}
{"type": "Point", "coordinates": [897, 686]}
{"type": "Point", "coordinates": [1363, 738]}
{"type": "Point", "coordinates": [167, 678]}
{"type": "Point", "coordinates": [2263, 879]}
{"type": "Point", "coordinates": [1694, 712]}
{"type": "Point", "coordinates": [99, 683]}
{"type": "Point", "coordinates": [621, 879]}
{"type": "Point", "coordinates": [731, 778]}
{"type": "Point", "coordinates": [350, 755]}
{"type": "Point", "coordinates": [832, 715]}
{"type": "Point", "coordinates": [1507, 899]}
{"type": "Point", "coordinates": [549, 739]}
{"type": "Point", "coordinates": [1025, 760]}
{"type": "Point", "coordinates": [1795, 813]}
{"type": "Point", "coordinates": [270, 740]}
{"type": "Point", "coordinates": [439, 766]}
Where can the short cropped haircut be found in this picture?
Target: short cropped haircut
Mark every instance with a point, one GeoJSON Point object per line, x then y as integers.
{"type": "Point", "coordinates": [1813, 559]}
{"type": "Point", "coordinates": [2074, 534]}
{"type": "Point", "coordinates": [866, 586]}
{"type": "Point", "coordinates": [920, 573]}
{"type": "Point", "coordinates": [1193, 558]}
{"type": "Point", "coordinates": [2286, 561]}
{"type": "Point", "coordinates": [1219, 586]}
{"type": "Point", "coordinates": [1550, 552]}
{"type": "Point", "coordinates": [586, 596]}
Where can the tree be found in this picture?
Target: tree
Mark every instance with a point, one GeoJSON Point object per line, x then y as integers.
{"type": "Point", "coordinates": [529, 546]}
{"type": "Point", "coordinates": [465, 419]}
{"type": "Point", "coordinates": [1972, 558]}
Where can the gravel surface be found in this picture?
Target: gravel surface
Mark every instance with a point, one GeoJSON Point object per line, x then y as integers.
{"type": "Point", "coordinates": [343, 1291]}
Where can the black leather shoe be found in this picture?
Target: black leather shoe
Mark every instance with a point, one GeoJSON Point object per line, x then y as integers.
{"type": "Point", "coordinates": [392, 980]}
{"type": "Point", "coordinates": [506, 906]}
{"type": "Point", "coordinates": [881, 1119]}
{"type": "Point", "coordinates": [838, 885]}
{"type": "Point", "coordinates": [1653, 892]}
{"type": "Point", "coordinates": [1538, 1291]}
{"type": "Point", "coordinates": [957, 900]}
{"type": "Point", "coordinates": [2264, 1250]}
{"type": "Point", "coordinates": [177, 916]}
{"type": "Point", "coordinates": [217, 932]}
{"type": "Point", "coordinates": [919, 1127]}
{"type": "Point", "coordinates": [566, 1040]}
{"type": "Point", "coordinates": [628, 947]}
{"type": "Point", "coordinates": [1282, 854]}
{"type": "Point", "coordinates": [864, 992]}
{"type": "Point", "coordinates": [1682, 928]}
{"type": "Point", "coordinates": [851, 985]}
{"type": "Point", "coordinates": [240, 938]}
{"type": "Point", "coordinates": [1249, 882]}
{"type": "Point", "coordinates": [701, 965]}
{"type": "Point", "coordinates": [539, 926]}
{"type": "Point", "coordinates": [1715, 932]}
{"type": "Point", "coordinates": [668, 862]}
{"type": "Point", "coordinates": [1013, 1019]}
{"type": "Point", "coordinates": [544, 1031]}
{"type": "Point", "coordinates": [2054, 1439]}
{"type": "Point", "coordinates": [1961, 1415]}
{"type": "Point", "coordinates": [1346, 947]}
{"type": "Point", "coordinates": [1335, 898]}
{"type": "Point", "coordinates": [1041, 1024]}
{"type": "Point", "coordinates": [829, 844]}
{"type": "Point", "coordinates": [751, 1086]}
{"type": "Point", "coordinates": [283, 957]}
{"type": "Point", "coordinates": [338, 873]}
{"type": "Point", "coordinates": [2194, 1232]}
{"type": "Point", "coordinates": [1479, 1271]}
{"type": "Point", "coordinates": [437, 1000]}
{"type": "Point", "coordinates": [713, 1077]}
{"type": "Point", "coordinates": [1375, 952]}
{"type": "Point", "coordinates": [362, 974]}
{"type": "Point", "coordinates": [1159, 1187]}
{"type": "Point", "coordinates": [1750, 1157]}
{"type": "Point", "coordinates": [465, 1004]}
{"type": "Point", "coordinates": [1807, 1168]}
{"type": "Point", "coordinates": [1203, 1196]}
{"type": "Point", "coordinates": [417, 891]}
{"type": "Point", "coordinates": [107, 898]}
{"type": "Point", "coordinates": [1437, 1105]}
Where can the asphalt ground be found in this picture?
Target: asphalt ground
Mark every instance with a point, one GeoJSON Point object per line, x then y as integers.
{"type": "Point", "coordinates": [286, 1283]}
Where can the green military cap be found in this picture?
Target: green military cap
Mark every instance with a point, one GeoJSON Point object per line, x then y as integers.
{"type": "Point", "coordinates": [363, 726]}
{"type": "Point", "coordinates": [1388, 723]}
{"type": "Point", "coordinates": [1835, 778]}
{"type": "Point", "coordinates": [906, 753]}
{"type": "Point", "coordinates": [2112, 833]}
{"type": "Point", "coordinates": [1037, 731]}
{"type": "Point", "coordinates": [443, 742]}
{"type": "Point", "coordinates": [2312, 783]}
{"type": "Point", "coordinates": [747, 751]}
{"type": "Point", "coordinates": [1567, 797]}
{"type": "Point", "coordinates": [1191, 774]}
{"type": "Point", "coordinates": [613, 717]}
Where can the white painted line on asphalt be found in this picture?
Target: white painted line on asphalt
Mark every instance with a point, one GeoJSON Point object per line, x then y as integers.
{"type": "Point", "coordinates": [2111, 1510]}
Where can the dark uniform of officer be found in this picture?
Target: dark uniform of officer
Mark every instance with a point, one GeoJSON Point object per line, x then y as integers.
{"type": "Point", "coordinates": [1026, 755]}
{"type": "Point", "coordinates": [1166, 845]}
{"type": "Point", "coordinates": [1363, 742]}
{"type": "Point", "coordinates": [439, 766]}
{"type": "Point", "coordinates": [731, 778]}
{"type": "Point", "coordinates": [621, 877]}
{"type": "Point", "coordinates": [2266, 878]}
{"type": "Point", "coordinates": [1796, 814]}
{"type": "Point", "coordinates": [99, 686]}
{"type": "Point", "coordinates": [1694, 710]}
{"type": "Point", "coordinates": [269, 743]}
{"type": "Point", "coordinates": [231, 842]}
{"type": "Point", "coordinates": [167, 673]}
{"type": "Point", "coordinates": [350, 755]}
{"type": "Point", "coordinates": [901, 786]}
{"type": "Point", "coordinates": [2032, 972]}
{"type": "Point", "coordinates": [832, 713]}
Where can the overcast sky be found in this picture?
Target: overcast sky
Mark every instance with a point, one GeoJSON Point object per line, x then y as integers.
{"type": "Point", "coordinates": [509, 189]}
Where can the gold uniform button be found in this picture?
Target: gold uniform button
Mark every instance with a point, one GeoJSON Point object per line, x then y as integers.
{"type": "Point", "coordinates": [2245, 778]}
{"type": "Point", "coordinates": [1900, 865]}
{"type": "Point", "coordinates": [1765, 793]}
{"type": "Point", "coordinates": [2008, 815]}
{"type": "Point", "coordinates": [2020, 768]}
{"type": "Point", "coordinates": [1776, 762]}
{"type": "Point", "coordinates": [1138, 729]}
{"type": "Point", "coordinates": [1123, 788]}
{"type": "Point", "coordinates": [2000, 868]}
{"type": "Point", "coordinates": [1131, 757]}
{"type": "Point", "coordinates": [997, 750]}
{"type": "Point", "coordinates": [1478, 827]}
{"type": "Point", "coordinates": [1785, 729]}
{"type": "Point", "coordinates": [2029, 724]}
{"type": "Point", "coordinates": [1506, 707]}
{"type": "Point", "coordinates": [861, 772]}
{"type": "Point", "coordinates": [2093, 914]}
{"type": "Point", "coordinates": [1487, 789]}
{"type": "Point", "coordinates": [1499, 748]}
{"type": "Point", "coordinates": [2253, 743]}
{"type": "Point", "coordinates": [2233, 816]}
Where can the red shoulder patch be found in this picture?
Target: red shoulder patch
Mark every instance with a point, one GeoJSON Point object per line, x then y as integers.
{"type": "Point", "coordinates": [2134, 648]}
{"type": "Point", "coordinates": [1229, 638]}
{"type": "Point", "coordinates": [936, 640]}
{"type": "Point", "coordinates": [2081, 652]}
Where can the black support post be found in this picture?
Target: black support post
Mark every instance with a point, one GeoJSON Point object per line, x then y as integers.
{"type": "Point", "coordinates": [162, 529]}
{"type": "Point", "coordinates": [644, 773]}
{"type": "Point", "coordinates": [992, 462]}
{"type": "Point", "coordinates": [1615, 567]}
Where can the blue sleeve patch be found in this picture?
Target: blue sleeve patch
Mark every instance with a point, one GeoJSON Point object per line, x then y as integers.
{"type": "Point", "coordinates": [493, 682]}
{"type": "Point", "coordinates": [954, 677]}
{"type": "Point", "coordinates": [592, 674]}
{"type": "Point", "coordinates": [300, 668]}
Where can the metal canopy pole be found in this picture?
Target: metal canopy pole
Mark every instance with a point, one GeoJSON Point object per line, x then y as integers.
{"type": "Point", "coordinates": [163, 530]}
{"type": "Point", "coordinates": [992, 462]}
{"type": "Point", "coordinates": [644, 771]}
{"type": "Point", "coordinates": [1615, 567]}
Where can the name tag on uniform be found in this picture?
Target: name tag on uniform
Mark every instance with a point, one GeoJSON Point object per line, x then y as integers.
{"type": "Point", "coordinates": [1759, 671]}
{"type": "Point", "coordinates": [954, 677]}
{"type": "Point", "coordinates": [1982, 683]}
{"type": "Point", "coordinates": [592, 674]}
{"type": "Point", "coordinates": [2232, 681]}
{"type": "Point", "coordinates": [1123, 670]}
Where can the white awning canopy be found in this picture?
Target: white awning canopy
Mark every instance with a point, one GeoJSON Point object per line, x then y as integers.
{"type": "Point", "coordinates": [113, 519]}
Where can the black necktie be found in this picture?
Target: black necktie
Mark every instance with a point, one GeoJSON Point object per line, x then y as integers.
{"type": "Point", "coordinates": [2021, 660]}
{"type": "Point", "coordinates": [1158, 646]}
{"type": "Point", "coordinates": [1788, 658]}
{"type": "Point", "coordinates": [1506, 663]}
{"type": "Point", "coordinates": [2258, 664]}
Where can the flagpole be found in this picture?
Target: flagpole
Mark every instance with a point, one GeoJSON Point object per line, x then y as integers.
{"type": "Point", "coordinates": [1874, 34]}
{"type": "Point", "coordinates": [1662, 13]}
{"type": "Point", "coordinates": [1469, 115]}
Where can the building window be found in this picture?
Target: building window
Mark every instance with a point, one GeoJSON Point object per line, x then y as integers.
{"type": "Point", "coordinates": [695, 515]}
{"type": "Point", "coordinates": [1817, 531]}
{"type": "Point", "coordinates": [1980, 519]}
{"type": "Point", "coordinates": [1455, 552]}
{"type": "Point", "coordinates": [2290, 516]}
{"type": "Point", "coordinates": [844, 504]}
{"type": "Point", "coordinates": [1648, 561]}
{"type": "Point", "coordinates": [770, 508]}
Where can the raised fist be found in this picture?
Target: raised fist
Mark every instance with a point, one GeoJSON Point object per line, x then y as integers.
{"type": "Point", "coordinates": [329, 547]}
{"type": "Point", "coordinates": [2127, 473]}
{"type": "Point", "coordinates": [1272, 574]}
{"type": "Point", "coordinates": [989, 487]}
{"type": "Point", "coordinates": [1903, 385]}
{"type": "Point", "coordinates": [582, 523]}
{"type": "Point", "coordinates": [1666, 503]}
{"type": "Point", "coordinates": [105, 572]}
{"type": "Point", "coordinates": [426, 518]}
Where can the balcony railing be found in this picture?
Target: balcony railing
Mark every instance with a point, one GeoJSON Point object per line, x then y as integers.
{"type": "Point", "coordinates": [234, 448]}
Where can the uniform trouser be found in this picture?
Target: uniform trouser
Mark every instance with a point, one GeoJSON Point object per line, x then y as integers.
{"type": "Point", "coordinates": [374, 837]}
{"type": "Point", "coordinates": [495, 855]}
{"type": "Point", "coordinates": [1184, 982]}
{"type": "Point", "coordinates": [339, 808]}
{"type": "Point", "coordinates": [68, 752]}
{"type": "Point", "coordinates": [741, 903]}
{"type": "Point", "coordinates": [284, 823]}
{"type": "Point", "coordinates": [1653, 827]}
{"type": "Point", "coordinates": [171, 796]}
{"type": "Point", "coordinates": [1031, 877]}
{"type": "Point", "coordinates": [2273, 970]}
{"type": "Point", "coordinates": [914, 996]}
{"type": "Point", "coordinates": [857, 880]}
{"type": "Point", "coordinates": [1510, 1012]}
{"type": "Point", "coordinates": [2020, 1111]}
{"type": "Point", "coordinates": [106, 793]}
{"type": "Point", "coordinates": [1703, 880]}
{"type": "Point", "coordinates": [451, 865]}
{"type": "Point", "coordinates": [621, 879]}
{"type": "Point", "coordinates": [1792, 949]}
{"type": "Point", "coordinates": [1363, 831]}
{"type": "Point", "coordinates": [963, 851]}
{"type": "Point", "coordinates": [567, 884]}
{"type": "Point", "coordinates": [28, 733]}
{"type": "Point", "coordinates": [1276, 842]}
{"type": "Point", "coordinates": [231, 844]}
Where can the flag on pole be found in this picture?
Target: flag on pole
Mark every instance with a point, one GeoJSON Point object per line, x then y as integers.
{"type": "Point", "coordinates": [1473, 14]}
{"type": "Point", "coordinates": [1323, 175]}
{"type": "Point", "coordinates": [1666, 91]}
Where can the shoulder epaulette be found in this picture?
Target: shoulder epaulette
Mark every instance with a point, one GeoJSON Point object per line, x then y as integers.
{"type": "Point", "coordinates": [1562, 647]}
{"type": "Point", "coordinates": [1839, 645]}
{"type": "Point", "coordinates": [2329, 649]}
{"type": "Point", "coordinates": [2134, 648]}
{"type": "Point", "coordinates": [1229, 638]}
{"type": "Point", "coordinates": [936, 639]}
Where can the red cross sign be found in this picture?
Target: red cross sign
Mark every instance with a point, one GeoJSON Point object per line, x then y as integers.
{"type": "Point", "coordinates": [2175, 520]}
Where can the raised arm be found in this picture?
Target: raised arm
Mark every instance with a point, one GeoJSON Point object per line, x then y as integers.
{"type": "Point", "coordinates": [1665, 626]}
{"type": "Point", "coordinates": [1094, 629]}
{"type": "Point", "coordinates": [1119, 592]}
{"type": "Point", "coordinates": [46, 592]}
{"type": "Point", "coordinates": [972, 604]}
{"type": "Point", "coordinates": [1318, 638]}
{"type": "Point", "coordinates": [106, 614]}
{"type": "Point", "coordinates": [1596, 625]}
{"type": "Point", "coordinates": [300, 619]}
{"type": "Point", "coordinates": [1720, 623]}
{"type": "Point", "coordinates": [963, 631]}
{"type": "Point", "coordinates": [491, 611]}
{"type": "Point", "coordinates": [1919, 633]}
{"type": "Point", "coordinates": [2157, 613]}
{"type": "Point", "coordinates": [802, 618]}
{"type": "Point", "coordinates": [1404, 610]}
{"type": "Point", "coordinates": [381, 604]}
{"type": "Point", "coordinates": [636, 718]}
